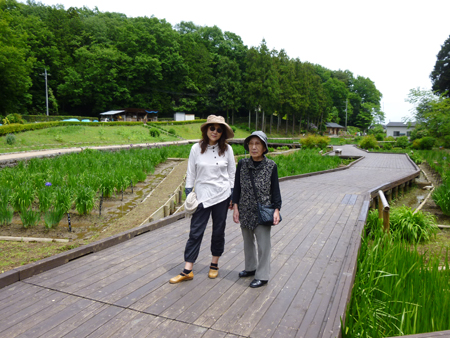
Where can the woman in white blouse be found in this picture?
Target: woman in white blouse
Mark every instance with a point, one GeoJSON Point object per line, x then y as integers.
{"type": "Point", "coordinates": [211, 171]}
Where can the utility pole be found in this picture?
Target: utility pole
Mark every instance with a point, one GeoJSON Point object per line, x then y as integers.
{"type": "Point", "coordinates": [46, 88]}
{"type": "Point", "coordinates": [346, 100]}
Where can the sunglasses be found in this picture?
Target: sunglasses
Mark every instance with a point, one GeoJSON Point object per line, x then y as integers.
{"type": "Point", "coordinates": [219, 130]}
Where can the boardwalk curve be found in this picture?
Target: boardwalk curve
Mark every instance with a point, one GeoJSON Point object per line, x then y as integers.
{"type": "Point", "coordinates": [123, 291]}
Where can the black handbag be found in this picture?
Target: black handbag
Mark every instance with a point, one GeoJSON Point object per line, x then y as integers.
{"type": "Point", "coordinates": [265, 212]}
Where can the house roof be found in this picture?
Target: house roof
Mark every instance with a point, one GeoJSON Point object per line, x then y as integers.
{"type": "Point", "coordinates": [400, 124]}
{"type": "Point", "coordinates": [333, 125]}
{"type": "Point", "coordinates": [112, 112]}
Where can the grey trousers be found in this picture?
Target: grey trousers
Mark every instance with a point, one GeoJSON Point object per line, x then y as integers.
{"type": "Point", "coordinates": [257, 250]}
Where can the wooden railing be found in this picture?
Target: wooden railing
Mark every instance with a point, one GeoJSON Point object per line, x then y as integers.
{"type": "Point", "coordinates": [383, 210]}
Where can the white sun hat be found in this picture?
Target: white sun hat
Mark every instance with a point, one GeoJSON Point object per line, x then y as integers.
{"type": "Point", "coordinates": [191, 204]}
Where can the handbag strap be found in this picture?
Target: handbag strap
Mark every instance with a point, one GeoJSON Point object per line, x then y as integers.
{"type": "Point", "coordinates": [253, 182]}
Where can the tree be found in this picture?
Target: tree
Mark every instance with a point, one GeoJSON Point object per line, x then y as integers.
{"type": "Point", "coordinates": [440, 76]}
{"type": "Point", "coordinates": [228, 85]}
{"type": "Point", "coordinates": [15, 67]}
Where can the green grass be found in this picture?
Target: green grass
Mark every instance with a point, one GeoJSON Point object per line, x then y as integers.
{"type": "Point", "coordinates": [397, 290]}
{"type": "Point", "coordinates": [80, 136]}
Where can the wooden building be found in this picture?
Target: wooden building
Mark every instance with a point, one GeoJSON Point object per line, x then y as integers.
{"type": "Point", "coordinates": [129, 115]}
{"type": "Point", "coordinates": [333, 128]}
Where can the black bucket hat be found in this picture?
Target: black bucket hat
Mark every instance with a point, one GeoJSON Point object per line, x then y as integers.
{"type": "Point", "coordinates": [259, 134]}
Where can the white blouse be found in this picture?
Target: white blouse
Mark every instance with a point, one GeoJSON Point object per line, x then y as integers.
{"type": "Point", "coordinates": [211, 175]}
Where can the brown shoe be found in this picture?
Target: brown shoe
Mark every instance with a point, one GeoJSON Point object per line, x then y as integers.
{"type": "Point", "coordinates": [213, 273]}
{"type": "Point", "coordinates": [181, 277]}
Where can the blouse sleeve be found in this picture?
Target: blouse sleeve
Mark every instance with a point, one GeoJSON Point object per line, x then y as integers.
{"type": "Point", "coordinates": [275, 184]}
{"type": "Point", "coordinates": [191, 173]}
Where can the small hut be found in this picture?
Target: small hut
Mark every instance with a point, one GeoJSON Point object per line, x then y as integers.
{"type": "Point", "coordinates": [130, 115]}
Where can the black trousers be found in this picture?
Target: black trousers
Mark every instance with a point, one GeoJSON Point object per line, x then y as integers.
{"type": "Point", "coordinates": [198, 225]}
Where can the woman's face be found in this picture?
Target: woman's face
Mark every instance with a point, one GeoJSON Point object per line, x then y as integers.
{"type": "Point", "coordinates": [214, 132]}
{"type": "Point", "coordinates": [256, 147]}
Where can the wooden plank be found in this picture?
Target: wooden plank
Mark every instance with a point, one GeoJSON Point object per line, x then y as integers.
{"type": "Point", "coordinates": [231, 316]}
{"type": "Point", "coordinates": [95, 322]}
{"type": "Point", "coordinates": [47, 324]}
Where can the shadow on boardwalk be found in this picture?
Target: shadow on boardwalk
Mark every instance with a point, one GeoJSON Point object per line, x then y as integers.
{"type": "Point", "coordinates": [123, 291]}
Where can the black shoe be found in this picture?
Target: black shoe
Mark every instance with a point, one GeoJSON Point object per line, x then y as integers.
{"type": "Point", "coordinates": [246, 273]}
{"type": "Point", "coordinates": [256, 283]}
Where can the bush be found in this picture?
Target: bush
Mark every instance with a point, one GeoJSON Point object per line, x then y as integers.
{"type": "Point", "coordinates": [10, 139]}
{"type": "Point", "coordinates": [15, 118]}
{"type": "Point", "coordinates": [172, 131]}
{"type": "Point", "coordinates": [154, 132]}
{"type": "Point", "coordinates": [427, 143]}
{"type": "Point", "coordinates": [368, 142]}
{"type": "Point", "coordinates": [379, 137]}
{"type": "Point", "coordinates": [402, 142]}
{"type": "Point", "coordinates": [447, 141]}
{"type": "Point", "coordinates": [233, 128]}
{"type": "Point", "coordinates": [312, 141]}
{"type": "Point", "coordinates": [387, 146]}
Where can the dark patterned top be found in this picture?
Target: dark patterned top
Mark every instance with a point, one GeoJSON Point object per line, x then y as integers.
{"type": "Point", "coordinates": [265, 175]}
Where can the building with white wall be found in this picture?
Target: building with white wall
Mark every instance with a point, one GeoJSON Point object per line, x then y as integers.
{"type": "Point", "coordinates": [397, 129]}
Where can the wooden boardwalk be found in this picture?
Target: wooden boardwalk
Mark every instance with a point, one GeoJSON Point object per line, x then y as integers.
{"type": "Point", "coordinates": [123, 291]}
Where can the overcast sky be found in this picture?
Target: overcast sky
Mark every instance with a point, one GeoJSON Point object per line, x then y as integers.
{"type": "Point", "coordinates": [392, 42]}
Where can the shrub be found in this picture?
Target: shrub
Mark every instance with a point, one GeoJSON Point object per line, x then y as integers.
{"type": "Point", "coordinates": [15, 118]}
{"type": "Point", "coordinates": [387, 146]}
{"type": "Point", "coordinates": [312, 141]}
{"type": "Point", "coordinates": [172, 131]}
{"type": "Point", "coordinates": [233, 128]}
{"type": "Point", "coordinates": [10, 139]}
{"type": "Point", "coordinates": [447, 141]}
{"type": "Point", "coordinates": [427, 143]}
{"type": "Point", "coordinates": [402, 142]}
{"type": "Point", "coordinates": [379, 137]}
{"type": "Point", "coordinates": [154, 132]}
{"type": "Point", "coordinates": [368, 142]}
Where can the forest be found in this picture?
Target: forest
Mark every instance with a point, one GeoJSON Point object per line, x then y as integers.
{"type": "Point", "coordinates": [99, 61]}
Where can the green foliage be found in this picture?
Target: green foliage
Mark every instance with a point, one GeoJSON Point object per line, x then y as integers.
{"type": "Point", "coordinates": [402, 142]}
{"type": "Point", "coordinates": [85, 200]}
{"type": "Point", "coordinates": [425, 143]}
{"type": "Point", "coordinates": [405, 225]}
{"type": "Point", "coordinates": [440, 76]}
{"type": "Point", "coordinates": [15, 118]}
{"type": "Point", "coordinates": [172, 131]}
{"type": "Point", "coordinates": [441, 196]}
{"type": "Point", "coordinates": [368, 142]}
{"type": "Point", "coordinates": [379, 137]}
{"type": "Point", "coordinates": [315, 141]}
{"type": "Point", "coordinates": [29, 217]}
{"type": "Point", "coordinates": [304, 161]}
{"type": "Point", "coordinates": [52, 217]}
{"type": "Point", "coordinates": [10, 139]}
{"type": "Point", "coordinates": [6, 212]}
{"type": "Point", "coordinates": [387, 146]}
{"type": "Point", "coordinates": [154, 132]}
{"type": "Point", "coordinates": [412, 227]}
{"type": "Point", "coordinates": [392, 291]}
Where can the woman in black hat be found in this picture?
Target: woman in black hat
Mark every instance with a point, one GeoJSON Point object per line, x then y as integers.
{"type": "Point", "coordinates": [211, 170]}
{"type": "Point", "coordinates": [265, 177]}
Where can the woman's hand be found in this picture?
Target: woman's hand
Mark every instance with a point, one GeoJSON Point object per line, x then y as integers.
{"type": "Point", "coordinates": [235, 213]}
{"type": "Point", "coordinates": [276, 217]}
